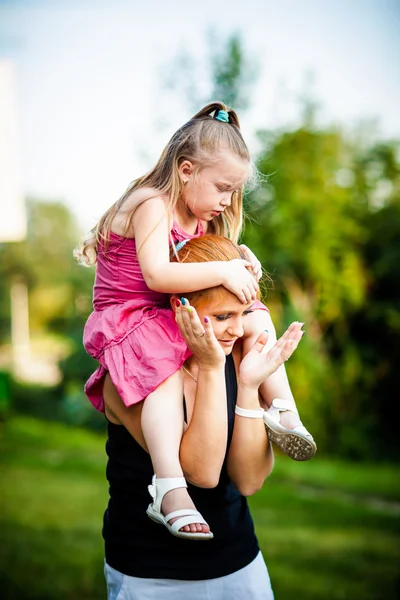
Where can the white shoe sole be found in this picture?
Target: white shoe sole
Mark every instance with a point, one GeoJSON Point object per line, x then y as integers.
{"type": "Point", "coordinates": [295, 445]}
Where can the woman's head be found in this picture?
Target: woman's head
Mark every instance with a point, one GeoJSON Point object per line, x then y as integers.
{"type": "Point", "coordinates": [224, 309]}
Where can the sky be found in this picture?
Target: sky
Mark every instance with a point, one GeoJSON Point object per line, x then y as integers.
{"type": "Point", "coordinates": [92, 112]}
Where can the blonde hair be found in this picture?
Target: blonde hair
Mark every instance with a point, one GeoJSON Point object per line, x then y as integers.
{"type": "Point", "coordinates": [208, 248]}
{"type": "Point", "coordinates": [197, 141]}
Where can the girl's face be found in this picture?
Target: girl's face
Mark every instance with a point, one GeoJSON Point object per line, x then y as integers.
{"type": "Point", "coordinates": [227, 315]}
{"type": "Point", "coordinates": [208, 191]}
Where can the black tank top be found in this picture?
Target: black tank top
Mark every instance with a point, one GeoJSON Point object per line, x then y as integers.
{"type": "Point", "coordinates": [136, 546]}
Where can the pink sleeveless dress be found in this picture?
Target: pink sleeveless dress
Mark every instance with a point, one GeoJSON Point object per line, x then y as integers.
{"type": "Point", "coordinates": [132, 330]}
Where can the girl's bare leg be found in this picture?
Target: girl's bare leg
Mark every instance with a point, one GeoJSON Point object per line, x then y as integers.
{"type": "Point", "coordinates": [162, 426]}
{"type": "Point", "coordinates": [277, 385]}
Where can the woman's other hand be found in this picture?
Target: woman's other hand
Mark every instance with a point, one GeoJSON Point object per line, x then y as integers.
{"type": "Point", "coordinates": [258, 364]}
{"type": "Point", "coordinates": [198, 336]}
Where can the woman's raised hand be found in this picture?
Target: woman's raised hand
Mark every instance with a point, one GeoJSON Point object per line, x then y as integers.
{"type": "Point", "coordinates": [239, 280]}
{"type": "Point", "coordinates": [198, 336]}
{"type": "Point", "coordinates": [258, 364]}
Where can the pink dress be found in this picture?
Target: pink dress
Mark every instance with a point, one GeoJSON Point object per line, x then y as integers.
{"type": "Point", "coordinates": [132, 330]}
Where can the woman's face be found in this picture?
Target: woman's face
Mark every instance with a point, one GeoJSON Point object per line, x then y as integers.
{"type": "Point", "coordinates": [227, 315]}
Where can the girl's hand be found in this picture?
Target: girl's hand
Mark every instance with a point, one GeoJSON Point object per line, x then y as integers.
{"type": "Point", "coordinates": [253, 260]}
{"type": "Point", "coordinates": [258, 364]}
{"type": "Point", "coordinates": [199, 336]}
{"type": "Point", "coordinates": [239, 280]}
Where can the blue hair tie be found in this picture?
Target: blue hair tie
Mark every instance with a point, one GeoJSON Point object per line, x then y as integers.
{"type": "Point", "coordinates": [222, 116]}
{"type": "Point", "coordinates": [180, 245]}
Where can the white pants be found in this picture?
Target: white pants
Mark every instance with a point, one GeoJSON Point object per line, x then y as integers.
{"type": "Point", "coordinates": [250, 583]}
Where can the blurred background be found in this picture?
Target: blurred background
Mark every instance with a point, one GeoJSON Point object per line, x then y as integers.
{"type": "Point", "coordinates": [90, 93]}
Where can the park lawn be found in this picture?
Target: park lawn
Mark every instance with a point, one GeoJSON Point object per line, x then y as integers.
{"type": "Point", "coordinates": [328, 529]}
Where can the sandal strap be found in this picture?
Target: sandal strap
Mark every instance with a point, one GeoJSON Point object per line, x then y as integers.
{"type": "Point", "coordinates": [159, 487]}
{"type": "Point", "coordinates": [183, 512]}
{"type": "Point", "coordinates": [279, 405]}
{"type": "Point", "coordinates": [179, 523]}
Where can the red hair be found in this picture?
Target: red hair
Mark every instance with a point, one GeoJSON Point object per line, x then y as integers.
{"type": "Point", "coordinates": [208, 248]}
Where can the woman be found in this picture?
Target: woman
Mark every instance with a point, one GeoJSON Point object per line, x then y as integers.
{"type": "Point", "coordinates": [225, 455]}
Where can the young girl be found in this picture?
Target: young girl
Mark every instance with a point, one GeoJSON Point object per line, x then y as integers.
{"type": "Point", "coordinates": [196, 186]}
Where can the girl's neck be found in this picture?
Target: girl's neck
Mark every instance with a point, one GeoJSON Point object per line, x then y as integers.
{"type": "Point", "coordinates": [185, 219]}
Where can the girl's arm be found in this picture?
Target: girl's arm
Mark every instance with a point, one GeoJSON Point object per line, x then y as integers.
{"type": "Point", "coordinates": [151, 223]}
{"type": "Point", "coordinates": [250, 458]}
{"type": "Point", "coordinates": [203, 445]}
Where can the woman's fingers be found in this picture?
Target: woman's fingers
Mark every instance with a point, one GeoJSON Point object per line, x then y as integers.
{"type": "Point", "coordinates": [291, 346]}
{"type": "Point", "coordinates": [199, 336]}
{"type": "Point", "coordinates": [191, 323]}
{"type": "Point", "coordinates": [187, 317]}
{"type": "Point", "coordinates": [209, 332]}
{"type": "Point", "coordinates": [261, 341]}
{"type": "Point", "coordinates": [195, 323]}
{"type": "Point", "coordinates": [290, 332]}
{"type": "Point", "coordinates": [282, 340]}
{"type": "Point", "coordinates": [288, 343]}
{"type": "Point", "coordinates": [261, 361]}
{"type": "Point", "coordinates": [180, 317]}
{"type": "Point", "coordinates": [193, 318]}
{"type": "Point", "coordinates": [201, 331]}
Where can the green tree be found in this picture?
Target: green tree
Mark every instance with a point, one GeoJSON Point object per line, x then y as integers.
{"type": "Point", "coordinates": [58, 288]}
{"type": "Point", "coordinates": [321, 223]}
{"type": "Point", "coordinates": [226, 72]}
{"type": "Point", "coordinates": [375, 328]}
{"type": "Point", "coordinates": [60, 294]}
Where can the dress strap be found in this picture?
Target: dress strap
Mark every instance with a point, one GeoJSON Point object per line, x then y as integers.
{"type": "Point", "coordinates": [179, 234]}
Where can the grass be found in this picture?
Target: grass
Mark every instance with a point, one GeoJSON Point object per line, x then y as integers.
{"type": "Point", "coordinates": [328, 530]}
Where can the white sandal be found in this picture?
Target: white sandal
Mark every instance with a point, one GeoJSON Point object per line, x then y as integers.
{"type": "Point", "coordinates": [157, 490]}
{"type": "Point", "coordinates": [297, 443]}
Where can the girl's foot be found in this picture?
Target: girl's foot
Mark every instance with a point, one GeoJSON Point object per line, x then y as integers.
{"type": "Point", "coordinates": [169, 495]}
{"type": "Point", "coordinates": [179, 499]}
{"type": "Point", "coordinates": [295, 441]}
{"type": "Point", "coordinates": [290, 419]}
